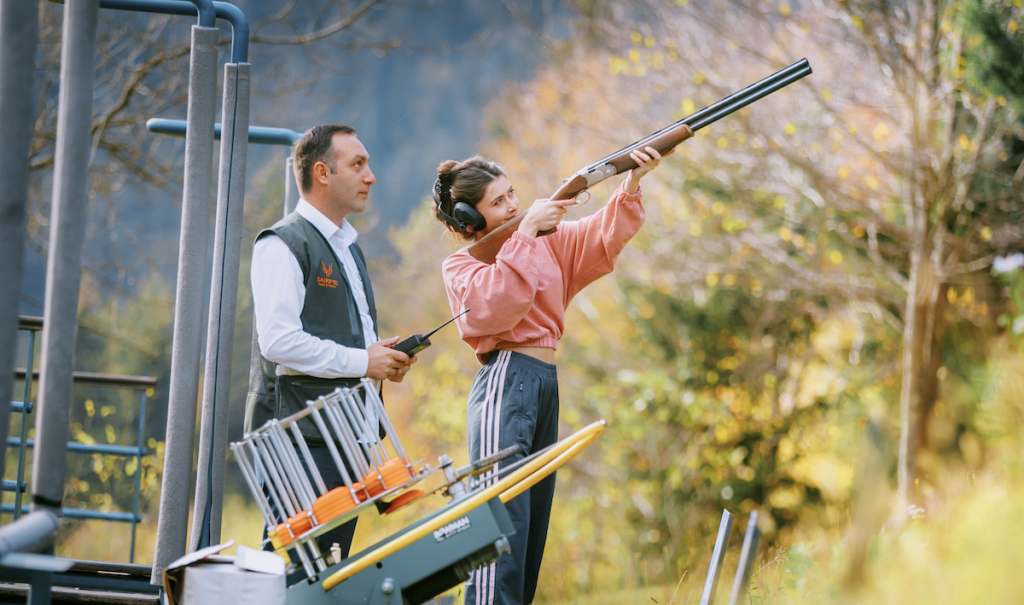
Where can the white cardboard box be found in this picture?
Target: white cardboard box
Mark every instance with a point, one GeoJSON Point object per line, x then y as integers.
{"type": "Point", "coordinates": [251, 577]}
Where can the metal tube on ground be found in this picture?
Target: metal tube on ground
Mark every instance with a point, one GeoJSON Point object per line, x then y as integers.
{"type": "Point", "coordinates": [32, 533]}
{"type": "Point", "coordinates": [68, 219]}
{"type": "Point", "coordinates": [172, 523]}
{"type": "Point", "coordinates": [213, 428]}
{"type": "Point", "coordinates": [19, 29]}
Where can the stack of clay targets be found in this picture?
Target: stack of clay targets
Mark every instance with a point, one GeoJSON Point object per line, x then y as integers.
{"type": "Point", "coordinates": [286, 484]}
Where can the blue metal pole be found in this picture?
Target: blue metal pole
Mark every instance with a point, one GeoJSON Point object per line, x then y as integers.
{"type": "Point", "coordinates": [24, 422]}
{"type": "Point", "coordinates": [260, 135]}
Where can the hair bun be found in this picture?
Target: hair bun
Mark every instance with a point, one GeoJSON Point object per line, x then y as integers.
{"type": "Point", "coordinates": [445, 169]}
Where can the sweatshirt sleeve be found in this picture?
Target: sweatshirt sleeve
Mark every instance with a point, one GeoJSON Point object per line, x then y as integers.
{"type": "Point", "coordinates": [498, 295]}
{"type": "Point", "coordinates": [587, 248]}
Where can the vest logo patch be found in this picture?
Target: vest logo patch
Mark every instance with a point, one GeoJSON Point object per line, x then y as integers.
{"type": "Point", "coordinates": [325, 280]}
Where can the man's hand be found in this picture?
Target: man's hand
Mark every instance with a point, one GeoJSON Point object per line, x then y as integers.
{"type": "Point", "coordinates": [386, 362]}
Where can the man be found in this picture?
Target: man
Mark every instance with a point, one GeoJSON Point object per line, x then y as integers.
{"type": "Point", "coordinates": [316, 322]}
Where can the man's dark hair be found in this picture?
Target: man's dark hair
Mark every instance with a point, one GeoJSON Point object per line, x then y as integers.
{"type": "Point", "coordinates": [313, 147]}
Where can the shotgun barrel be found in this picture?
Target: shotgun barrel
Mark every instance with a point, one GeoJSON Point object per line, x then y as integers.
{"type": "Point", "coordinates": [486, 248]}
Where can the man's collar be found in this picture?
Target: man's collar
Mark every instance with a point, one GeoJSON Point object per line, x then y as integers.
{"type": "Point", "coordinates": [325, 225]}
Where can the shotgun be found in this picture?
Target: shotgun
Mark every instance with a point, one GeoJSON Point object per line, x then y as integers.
{"type": "Point", "coordinates": [486, 248]}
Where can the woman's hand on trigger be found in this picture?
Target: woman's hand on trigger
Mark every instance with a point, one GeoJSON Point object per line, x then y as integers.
{"type": "Point", "coordinates": [543, 215]}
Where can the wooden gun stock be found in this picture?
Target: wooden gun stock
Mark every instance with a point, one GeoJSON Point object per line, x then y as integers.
{"type": "Point", "coordinates": [486, 248]}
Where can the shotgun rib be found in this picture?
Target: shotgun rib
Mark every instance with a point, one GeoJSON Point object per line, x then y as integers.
{"type": "Point", "coordinates": [486, 249]}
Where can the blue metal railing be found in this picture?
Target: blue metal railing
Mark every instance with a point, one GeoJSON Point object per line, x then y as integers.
{"type": "Point", "coordinates": [32, 325]}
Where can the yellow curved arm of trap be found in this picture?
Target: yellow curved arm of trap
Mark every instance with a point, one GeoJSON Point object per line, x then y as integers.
{"type": "Point", "coordinates": [506, 489]}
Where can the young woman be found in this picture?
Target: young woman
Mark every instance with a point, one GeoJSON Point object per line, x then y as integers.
{"type": "Point", "coordinates": [517, 316]}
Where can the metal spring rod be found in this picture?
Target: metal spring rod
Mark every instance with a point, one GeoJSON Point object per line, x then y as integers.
{"type": "Point", "coordinates": [250, 480]}
{"type": "Point", "coordinates": [356, 452]}
{"type": "Point", "coordinates": [372, 429]}
{"type": "Point", "coordinates": [318, 556]}
{"type": "Point", "coordinates": [303, 491]}
{"type": "Point", "coordinates": [284, 492]}
{"type": "Point", "coordinates": [345, 434]}
{"type": "Point", "coordinates": [313, 470]}
{"type": "Point", "coordinates": [307, 565]}
{"type": "Point", "coordinates": [339, 408]}
{"type": "Point", "coordinates": [371, 395]}
{"type": "Point", "coordinates": [315, 414]}
{"type": "Point", "coordinates": [287, 478]}
{"type": "Point", "coordinates": [261, 471]}
{"type": "Point", "coordinates": [359, 424]}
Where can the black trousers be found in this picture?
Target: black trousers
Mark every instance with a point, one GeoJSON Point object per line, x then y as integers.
{"type": "Point", "coordinates": [514, 399]}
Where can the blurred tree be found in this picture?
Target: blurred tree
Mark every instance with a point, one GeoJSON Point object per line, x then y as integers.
{"type": "Point", "coordinates": [885, 178]}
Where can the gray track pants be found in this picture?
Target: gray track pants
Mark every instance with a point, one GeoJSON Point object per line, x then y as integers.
{"type": "Point", "coordinates": [514, 399]}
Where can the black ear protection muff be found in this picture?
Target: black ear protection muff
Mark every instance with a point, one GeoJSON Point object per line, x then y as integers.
{"type": "Point", "coordinates": [464, 217]}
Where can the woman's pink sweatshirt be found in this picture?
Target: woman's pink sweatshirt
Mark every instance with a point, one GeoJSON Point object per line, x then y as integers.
{"type": "Point", "coordinates": [520, 300]}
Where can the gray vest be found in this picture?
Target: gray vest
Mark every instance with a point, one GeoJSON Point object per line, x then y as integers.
{"type": "Point", "coordinates": [329, 311]}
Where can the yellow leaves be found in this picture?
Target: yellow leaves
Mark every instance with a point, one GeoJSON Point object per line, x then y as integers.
{"type": "Point", "coordinates": [111, 434]}
{"type": "Point", "coordinates": [857, 22]}
{"type": "Point", "coordinates": [699, 78]}
{"type": "Point", "coordinates": [790, 496]}
{"type": "Point", "coordinates": [617, 65]}
{"type": "Point", "coordinates": [729, 280]}
{"type": "Point", "coordinates": [711, 279]}
{"type": "Point", "coordinates": [682, 2]}
{"type": "Point", "coordinates": [150, 392]}
{"type": "Point", "coordinates": [826, 94]}
{"type": "Point", "coordinates": [717, 208]}
{"type": "Point", "coordinates": [844, 171]}
{"type": "Point", "coordinates": [695, 229]}
{"type": "Point", "coordinates": [634, 56]}
{"type": "Point", "coordinates": [1012, 27]}
{"type": "Point", "coordinates": [790, 128]}
{"type": "Point", "coordinates": [107, 410]}
{"type": "Point", "coordinates": [779, 202]}
{"type": "Point", "coordinates": [964, 142]}
{"type": "Point", "coordinates": [649, 42]}
{"type": "Point", "coordinates": [784, 9]}
{"type": "Point", "coordinates": [646, 310]}
{"type": "Point", "coordinates": [872, 182]}
{"type": "Point", "coordinates": [636, 37]}
{"type": "Point", "coordinates": [90, 408]}
{"type": "Point", "coordinates": [835, 257]}
{"type": "Point", "coordinates": [712, 377]}
{"type": "Point", "coordinates": [1001, 100]}
{"type": "Point", "coordinates": [859, 232]}
{"type": "Point", "coordinates": [688, 107]}
{"type": "Point", "coordinates": [986, 233]}
{"type": "Point", "coordinates": [880, 133]}
{"type": "Point", "coordinates": [785, 234]}
{"type": "Point", "coordinates": [723, 142]}
{"type": "Point", "coordinates": [805, 28]}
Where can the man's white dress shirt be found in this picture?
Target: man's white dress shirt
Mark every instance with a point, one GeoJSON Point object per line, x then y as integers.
{"type": "Point", "coordinates": [279, 293]}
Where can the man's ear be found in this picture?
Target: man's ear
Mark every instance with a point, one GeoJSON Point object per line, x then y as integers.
{"type": "Point", "coordinates": [321, 173]}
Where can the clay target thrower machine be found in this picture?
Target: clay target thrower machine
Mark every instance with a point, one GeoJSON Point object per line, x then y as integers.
{"type": "Point", "coordinates": [420, 561]}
